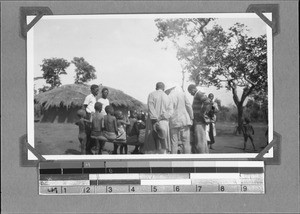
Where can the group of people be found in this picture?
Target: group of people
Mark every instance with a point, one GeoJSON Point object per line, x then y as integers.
{"type": "Point", "coordinates": [170, 123]}
{"type": "Point", "coordinates": [100, 123]}
{"type": "Point", "coordinates": [172, 120]}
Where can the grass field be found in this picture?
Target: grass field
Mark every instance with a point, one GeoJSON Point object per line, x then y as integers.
{"type": "Point", "coordinates": [61, 139]}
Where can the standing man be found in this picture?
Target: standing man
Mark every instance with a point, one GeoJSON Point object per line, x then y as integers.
{"type": "Point", "coordinates": [180, 120]}
{"type": "Point", "coordinates": [200, 107]}
{"type": "Point", "coordinates": [103, 100]}
{"type": "Point", "coordinates": [157, 138]}
{"type": "Point", "coordinates": [89, 107]}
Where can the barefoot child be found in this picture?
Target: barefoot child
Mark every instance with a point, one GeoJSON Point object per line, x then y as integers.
{"type": "Point", "coordinates": [110, 129]}
{"type": "Point", "coordinates": [82, 124]}
{"type": "Point", "coordinates": [211, 126]}
{"type": "Point", "coordinates": [96, 131]}
{"type": "Point", "coordinates": [121, 124]}
{"type": "Point", "coordinates": [248, 131]}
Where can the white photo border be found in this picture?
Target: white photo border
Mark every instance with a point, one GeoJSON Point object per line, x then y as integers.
{"type": "Point", "coordinates": [30, 89]}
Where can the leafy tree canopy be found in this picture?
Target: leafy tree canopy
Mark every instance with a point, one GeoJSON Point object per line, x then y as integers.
{"type": "Point", "coordinates": [84, 71]}
{"type": "Point", "coordinates": [52, 68]}
{"type": "Point", "coordinates": [215, 57]}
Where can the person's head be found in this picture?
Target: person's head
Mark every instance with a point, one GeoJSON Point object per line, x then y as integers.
{"type": "Point", "coordinates": [192, 89]}
{"type": "Point", "coordinates": [160, 86]}
{"type": "Point", "coordinates": [98, 106]}
{"type": "Point", "coordinates": [104, 93]}
{"type": "Point", "coordinates": [94, 89]}
{"type": "Point", "coordinates": [109, 110]}
{"type": "Point", "coordinates": [141, 116]}
{"type": "Point", "coordinates": [133, 113]}
{"type": "Point", "coordinates": [81, 113]}
{"type": "Point", "coordinates": [247, 120]}
{"type": "Point", "coordinates": [118, 114]}
{"type": "Point", "coordinates": [211, 96]}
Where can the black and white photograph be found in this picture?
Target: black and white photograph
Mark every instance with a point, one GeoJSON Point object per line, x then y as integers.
{"type": "Point", "coordinates": [136, 86]}
{"type": "Point", "coordinates": [178, 106]}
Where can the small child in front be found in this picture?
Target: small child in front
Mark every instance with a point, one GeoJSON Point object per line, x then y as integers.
{"type": "Point", "coordinates": [121, 124]}
{"type": "Point", "coordinates": [96, 132]}
{"type": "Point", "coordinates": [82, 124]}
{"type": "Point", "coordinates": [248, 131]}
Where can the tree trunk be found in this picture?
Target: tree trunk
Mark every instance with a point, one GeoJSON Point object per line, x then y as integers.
{"type": "Point", "coordinates": [239, 105]}
{"type": "Point", "coordinates": [240, 117]}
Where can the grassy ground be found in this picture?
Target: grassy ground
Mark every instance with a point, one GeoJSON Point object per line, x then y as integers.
{"type": "Point", "coordinates": [61, 139]}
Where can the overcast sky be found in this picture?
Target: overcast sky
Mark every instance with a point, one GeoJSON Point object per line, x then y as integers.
{"type": "Point", "coordinates": [121, 49]}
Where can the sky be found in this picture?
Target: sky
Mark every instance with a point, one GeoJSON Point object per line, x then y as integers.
{"type": "Point", "coordinates": [122, 50]}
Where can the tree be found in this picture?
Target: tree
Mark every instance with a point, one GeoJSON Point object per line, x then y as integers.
{"type": "Point", "coordinates": [52, 69]}
{"type": "Point", "coordinates": [44, 89]}
{"type": "Point", "coordinates": [84, 71]}
{"type": "Point", "coordinates": [214, 57]}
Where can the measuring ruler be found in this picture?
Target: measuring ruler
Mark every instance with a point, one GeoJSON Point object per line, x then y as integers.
{"type": "Point", "coordinates": [150, 177]}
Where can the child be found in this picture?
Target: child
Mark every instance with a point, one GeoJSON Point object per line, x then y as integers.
{"type": "Point", "coordinates": [82, 123]}
{"type": "Point", "coordinates": [121, 124]}
{"type": "Point", "coordinates": [211, 126]}
{"type": "Point", "coordinates": [96, 130]}
{"type": "Point", "coordinates": [89, 107]}
{"type": "Point", "coordinates": [248, 131]}
{"type": "Point", "coordinates": [109, 124]}
{"type": "Point", "coordinates": [134, 129]}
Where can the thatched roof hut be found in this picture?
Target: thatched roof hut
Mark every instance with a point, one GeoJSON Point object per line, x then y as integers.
{"type": "Point", "coordinates": [61, 104]}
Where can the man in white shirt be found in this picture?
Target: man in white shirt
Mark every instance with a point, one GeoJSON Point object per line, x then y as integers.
{"type": "Point", "coordinates": [103, 100]}
{"type": "Point", "coordinates": [180, 120]}
{"type": "Point", "coordinates": [90, 101]}
{"type": "Point", "coordinates": [89, 107]}
{"type": "Point", "coordinates": [157, 137]}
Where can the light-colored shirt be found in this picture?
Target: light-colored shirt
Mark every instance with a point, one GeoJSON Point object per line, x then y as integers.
{"type": "Point", "coordinates": [104, 102]}
{"type": "Point", "coordinates": [182, 112]}
{"type": "Point", "coordinates": [159, 106]}
{"type": "Point", "coordinates": [90, 101]}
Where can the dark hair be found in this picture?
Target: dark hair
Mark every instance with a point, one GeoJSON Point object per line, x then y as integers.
{"type": "Point", "coordinates": [93, 87]}
{"type": "Point", "coordinates": [118, 114]}
{"type": "Point", "coordinates": [98, 106]}
{"type": "Point", "coordinates": [191, 87]}
{"type": "Point", "coordinates": [160, 85]}
{"type": "Point", "coordinates": [133, 111]}
{"type": "Point", "coordinates": [104, 89]}
{"type": "Point", "coordinates": [141, 116]}
{"type": "Point", "coordinates": [109, 109]}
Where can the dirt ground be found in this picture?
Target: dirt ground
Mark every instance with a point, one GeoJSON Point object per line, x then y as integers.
{"type": "Point", "coordinates": [61, 139]}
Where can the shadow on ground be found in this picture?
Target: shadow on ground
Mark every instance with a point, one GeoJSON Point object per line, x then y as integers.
{"type": "Point", "coordinates": [72, 152]}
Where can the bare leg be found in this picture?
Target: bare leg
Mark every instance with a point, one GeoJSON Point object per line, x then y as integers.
{"type": "Point", "coordinates": [251, 139]}
{"type": "Point", "coordinates": [83, 145]}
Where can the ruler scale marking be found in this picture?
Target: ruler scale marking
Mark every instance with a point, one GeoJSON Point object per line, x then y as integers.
{"type": "Point", "coordinates": [150, 177]}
